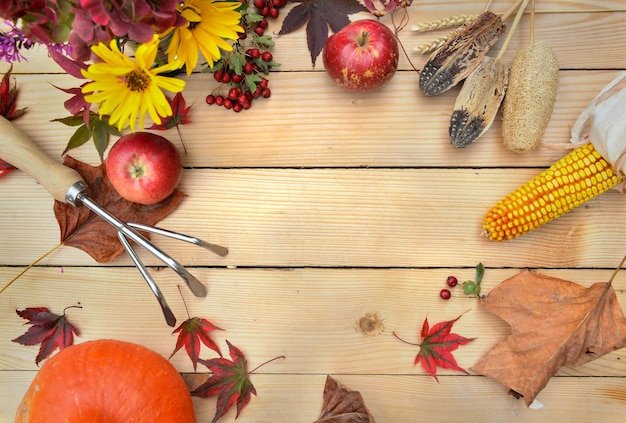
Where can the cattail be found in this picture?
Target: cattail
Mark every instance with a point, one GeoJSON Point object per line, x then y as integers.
{"type": "Point", "coordinates": [461, 54]}
{"type": "Point", "coordinates": [478, 102]}
{"type": "Point", "coordinates": [530, 97]}
{"type": "Point", "coordinates": [576, 178]}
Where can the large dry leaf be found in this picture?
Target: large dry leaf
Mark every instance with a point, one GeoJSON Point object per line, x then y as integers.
{"type": "Point", "coordinates": [341, 405]}
{"type": "Point", "coordinates": [554, 323]}
{"type": "Point", "coordinates": [82, 229]}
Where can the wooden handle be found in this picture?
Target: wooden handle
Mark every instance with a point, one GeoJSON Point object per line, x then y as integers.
{"type": "Point", "coordinates": [19, 150]}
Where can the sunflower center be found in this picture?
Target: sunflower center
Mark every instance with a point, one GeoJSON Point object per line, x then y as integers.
{"type": "Point", "coordinates": [138, 80]}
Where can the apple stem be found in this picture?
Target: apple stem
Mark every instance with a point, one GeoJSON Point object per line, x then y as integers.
{"type": "Point", "coordinates": [362, 38]}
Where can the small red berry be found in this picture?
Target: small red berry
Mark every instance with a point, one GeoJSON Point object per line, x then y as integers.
{"type": "Point", "coordinates": [219, 100]}
{"type": "Point", "coordinates": [274, 12]}
{"type": "Point", "coordinates": [248, 68]}
{"type": "Point", "coordinates": [452, 281]}
{"type": "Point", "coordinates": [267, 56]}
{"type": "Point", "coordinates": [259, 31]}
{"type": "Point", "coordinates": [226, 78]}
{"type": "Point", "coordinates": [210, 99]}
{"type": "Point", "coordinates": [445, 294]}
{"type": "Point", "coordinates": [259, 4]}
{"type": "Point", "coordinates": [218, 75]}
{"type": "Point", "coordinates": [236, 78]}
{"type": "Point", "coordinates": [264, 23]}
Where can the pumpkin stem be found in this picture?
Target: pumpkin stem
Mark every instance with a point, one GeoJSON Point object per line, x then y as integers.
{"type": "Point", "coordinates": [267, 362]}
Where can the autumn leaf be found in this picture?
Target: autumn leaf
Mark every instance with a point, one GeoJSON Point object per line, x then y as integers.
{"type": "Point", "coordinates": [179, 114]}
{"type": "Point", "coordinates": [318, 15]}
{"type": "Point", "coordinates": [342, 405]}
{"type": "Point", "coordinates": [81, 228]}
{"type": "Point", "coordinates": [5, 167]}
{"type": "Point", "coordinates": [554, 323]}
{"type": "Point", "coordinates": [437, 346]}
{"type": "Point", "coordinates": [8, 97]}
{"type": "Point", "coordinates": [229, 381]}
{"type": "Point", "coordinates": [48, 329]}
{"type": "Point", "coordinates": [191, 333]}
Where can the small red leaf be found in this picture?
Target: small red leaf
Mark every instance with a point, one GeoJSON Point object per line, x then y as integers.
{"type": "Point", "coordinates": [230, 382]}
{"type": "Point", "coordinates": [179, 114]}
{"type": "Point", "coordinates": [191, 333]}
{"type": "Point", "coordinates": [48, 329]}
{"type": "Point", "coordinates": [437, 346]}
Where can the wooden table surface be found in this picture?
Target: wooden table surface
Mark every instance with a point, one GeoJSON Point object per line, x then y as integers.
{"type": "Point", "coordinates": [334, 206]}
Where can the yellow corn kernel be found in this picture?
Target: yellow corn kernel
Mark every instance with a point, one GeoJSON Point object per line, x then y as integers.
{"type": "Point", "coordinates": [574, 179]}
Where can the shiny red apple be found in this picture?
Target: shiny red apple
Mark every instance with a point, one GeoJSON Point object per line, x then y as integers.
{"type": "Point", "coordinates": [362, 56]}
{"type": "Point", "coordinates": [144, 168]}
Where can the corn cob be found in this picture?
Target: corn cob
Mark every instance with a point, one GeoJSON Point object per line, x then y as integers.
{"type": "Point", "coordinates": [574, 179]}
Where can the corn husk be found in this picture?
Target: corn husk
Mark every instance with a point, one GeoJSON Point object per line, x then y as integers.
{"type": "Point", "coordinates": [603, 123]}
{"type": "Point", "coordinates": [461, 54]}
{"type": "Point", "coordinates": [530, 97]}
{"type": "Point", "coordinates": [478, 102]}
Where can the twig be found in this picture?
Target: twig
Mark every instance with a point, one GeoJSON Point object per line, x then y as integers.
{"type": "Point", "coordinates": [617, 269]}
{"type": "Point", "coordinates": [29, 266]}
{"type": "Point", "coordinates": [518, 16]}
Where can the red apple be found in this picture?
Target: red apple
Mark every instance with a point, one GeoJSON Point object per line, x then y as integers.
{"type": "Point", "coordinates": [144, 168]}
{"type": "Point", "coordinates": [362, 56]}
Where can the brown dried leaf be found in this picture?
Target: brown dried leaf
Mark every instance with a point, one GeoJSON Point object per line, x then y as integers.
{"type": "Point", "coordinates": [554, 323]}
{"type": "Point", "coordinates": [80, 228]}
{"type": "Point", "coordinates": [342, 405]}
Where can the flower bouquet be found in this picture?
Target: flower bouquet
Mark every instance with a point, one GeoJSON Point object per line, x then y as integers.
{"type": "Point", "coordinates": [131, 52]}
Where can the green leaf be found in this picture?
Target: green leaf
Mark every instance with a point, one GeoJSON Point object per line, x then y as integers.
{"type": "Point", "coordinates": [80, 137]}
{"type": "Point", "coordinates": [100, 137]}
{"type": "Point", "coordinates": [75, 120]}
{"type": "Point", "coordinates": [480, 272]}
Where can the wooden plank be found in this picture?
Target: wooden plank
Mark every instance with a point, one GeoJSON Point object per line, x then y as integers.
{"type": "Point", "coordinates": [357, 130]}
{"type": "Point", "coordinates": [394, 398]}
{"type": "Point", "coordinates": [596, 41]}
{"type": "Point", "coordinates": [308, 315]}
{"type": "Point", "coordinates": [340, 217]}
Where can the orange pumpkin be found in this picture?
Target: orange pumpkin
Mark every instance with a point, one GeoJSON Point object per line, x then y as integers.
{"type": "Point", "coordinates": [107, 381]}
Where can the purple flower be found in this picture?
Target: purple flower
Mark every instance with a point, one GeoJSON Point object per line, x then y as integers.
{"type": "Point", "coordinates": [12, 43]}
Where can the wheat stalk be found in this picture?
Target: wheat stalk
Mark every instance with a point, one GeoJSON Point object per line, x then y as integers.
{"type": "Point", "coordinates": [444, 23]}
{"type": "Point", "coordinates": [433, 45]}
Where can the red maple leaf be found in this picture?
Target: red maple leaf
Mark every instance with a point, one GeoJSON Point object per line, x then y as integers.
{"type": "Point", "coordinates": [179, 116]}
{"type": "Point", "coordinates": [229, 381]}
{"type": "Point", "coordinates": [191, 333]}
{"type": "Point", "coordinates": [48, 329]}
{"type": "Point", "coordinates": [437, 346]}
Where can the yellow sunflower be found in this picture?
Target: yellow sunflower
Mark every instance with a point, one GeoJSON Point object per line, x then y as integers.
{"type": "Point", "coordinates": [125, 89]}
{"type": "Point", "coordinates": [210, 23]}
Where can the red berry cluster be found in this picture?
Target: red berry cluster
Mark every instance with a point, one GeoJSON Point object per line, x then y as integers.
{"type": "Point", "coordinates": [445, 293]}
{"type": "Point", "coordinates": [269, 8]}
{"type": "Point", "coordinates": [242, 72]}
{"type": "Point", "coordinates": [238, 99]}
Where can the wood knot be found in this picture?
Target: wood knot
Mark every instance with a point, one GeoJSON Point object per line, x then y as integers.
{"type": "Point", "coordinates": [370, 324]}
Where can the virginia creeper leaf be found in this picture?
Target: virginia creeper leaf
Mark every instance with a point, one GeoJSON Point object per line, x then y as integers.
{"type": "Point", "coordinates": [318, 15]}
{"type": "Point", "coordinates": [554, 323]}
{"type": "Point", "coordinates": [437, 346]}
{"type": "Point", "coordinates": [191, 333]}
{"type": "Point", "coordinates": [342, 405]}
{"type": "Point", "coordinates": [80, 228]}
{"type": "Point", "coordinates": [229, 381]}
{"type": "Point", "coordinates": [48, 329]}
